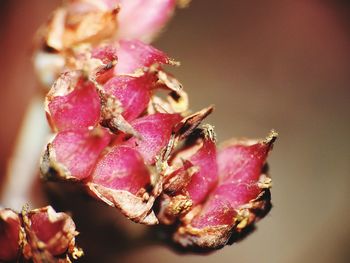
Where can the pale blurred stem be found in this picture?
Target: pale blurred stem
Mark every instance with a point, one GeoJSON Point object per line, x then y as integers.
{"type": "Point", "coordinates": [22, 168]}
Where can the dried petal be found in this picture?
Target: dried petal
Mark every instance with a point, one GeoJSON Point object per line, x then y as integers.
{"type": "Point", "coordinates": [73, 154]}
{"type": "Point", "coordinates": [134, 55]}
{"type": "Point", "coordinates": [142, 19]}
{"type": "Point", "coordinates": [191, 122]}
{"type": "Point", "coordinates": [73, 102]}
{"type": "Point", "coordinates": [9, 235]}
{"type": "Point", "coordinates": [76, 24]}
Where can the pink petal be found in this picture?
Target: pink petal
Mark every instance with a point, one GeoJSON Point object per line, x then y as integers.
{"type": "Point", "coordinates": [206, 178]}
{"type": "Point", "coordinates": [122, 168]}
{"type": "Point", "coordinates": [106, 54]}
{"type": "Point", "coordinates": [73, 154]}
{"type": "Point", "coordinates": [237, 194]}
{"type": "Point", "coordinates": [155, 131]}
{"type": "Point", "coordinates": [9, 235]}
{"type": "Point", "coordinates": [55, 230]}
{"type": "Point", "coordinates": [73, 103]}
{"type": "Point", "coordinates": [216, 212]}
{"type": "Point", "coordinates": [133, 55]}
{"type": "Point", "coordinates": [242, 163]}
{"type": "Point", "coordinates": [132, 92]}
{"type": "Point", "coordinates": [236, 202]}
{"type": "Point", "coordinates": [142, 19]}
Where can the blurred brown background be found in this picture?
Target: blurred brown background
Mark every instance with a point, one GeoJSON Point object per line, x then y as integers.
{"type": "Point", "coordinates": [264, 64]}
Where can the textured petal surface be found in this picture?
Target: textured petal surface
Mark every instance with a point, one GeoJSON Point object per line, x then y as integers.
{"type": "Point", "coordinates": [242, 163]}
{"type": "Point", "coordinates": [155, 131]}
{"type": "Point", "coordinates": [73, 103]}
{"type": "Point", "coordinates": [206, 178]}
{"type": "Point", "coordinates": [232, 204]}
{"type": "Point", "coordinates": [132, 92]}
{"type": "Point", "coordinates": [122, 168]}
{"type": "Point", "coordinates": [133, 55]}
{"type": "Point", "coordinates": [55, 230]}
{"type": "Point", "coordinates": [141, 19]}
{"type": "Point", "coordinates": [78, 151]}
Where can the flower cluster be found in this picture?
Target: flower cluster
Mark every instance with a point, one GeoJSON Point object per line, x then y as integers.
{"type": "Point", "coordinates": [124, 129]}
{"type": "Point", "coordinates": [40, 235]}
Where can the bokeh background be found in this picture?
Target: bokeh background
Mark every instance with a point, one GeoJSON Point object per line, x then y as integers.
{"type": "Point", "coordinates": [264, 64]}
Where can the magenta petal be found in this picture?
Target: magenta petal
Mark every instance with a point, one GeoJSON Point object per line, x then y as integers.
{"type": "Point", "coordinates": [155, 131]}
{"type": "Point", "coordinates": [141, 19]}
{"type": "Point", "coordinates": [215, 212]}
{"type": "Point", "coordinates": [132, 92]}
{"type": "Point", "coordinates": [73, 103]}
{"type": "Point", "coordinates": [206, 178]}
{"type": "Point", "coordinates": [241, 162]}
{"type": "Point", "coordinates": [9, 235]}
{"type": "Point", "coordinates": [106, 54]}
{"type": "Point", "coordinates": [237, 194]}
{"type": "Point", "coordinates": [73, 154]}
{"type": "Point", "coordinates": [133, 55]}
{"type": "Point", "coordinates": [55, 230]}
{"type": "Point", "coordinates": [122, 168]}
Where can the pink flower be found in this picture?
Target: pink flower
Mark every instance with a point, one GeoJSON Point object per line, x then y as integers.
{"type": "Point", "coordinates": [79, 24]}
{"type": "Point", "coordinates": [39, 235]}
{"type": "Point", "coordinates": [239, 198]}
{"type": "Point", "coordinates": [95, 120]}
{"type": "Point", "coordinates": [133, 147]}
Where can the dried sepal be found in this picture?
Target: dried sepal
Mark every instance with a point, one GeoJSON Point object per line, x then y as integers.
{"type": "Point", "coordinates": [238, 201]}
{"type": "Point", "coordinates": [188, 124]}
{"type": "Point", "coordinates": [72, 155]}
{"type": "Point", "coordinates": [111, 115]}
{"type": "Point", "coordinates": [75, 24]}
{"type": "Point", "coordinates": [136, 208]}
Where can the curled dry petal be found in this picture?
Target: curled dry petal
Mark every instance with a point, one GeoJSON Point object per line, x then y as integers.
{"type": "Point", "coordinates": [234, 203]}
{"type": "Point", "coordinates": [75, 24]}
{"type": "Point", "coordinates": [9, 235]}
{"type": "Point", "coordinates": [142, 19]}
{"type": "Point", "coordinates": [72, 102]}
{"type": "Point", "coordinates": [73, 154]}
